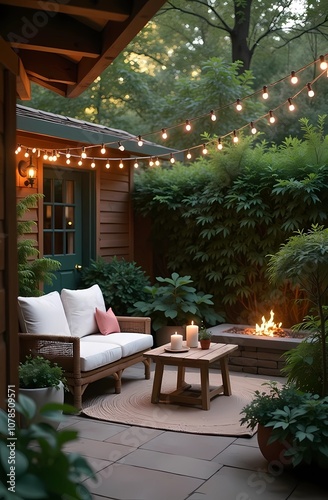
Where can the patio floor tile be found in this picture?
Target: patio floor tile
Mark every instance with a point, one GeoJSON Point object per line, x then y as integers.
{"type": "Point", "coordinates": [98, 449]}
{"type": "Point", "coordinates": [243, 457]}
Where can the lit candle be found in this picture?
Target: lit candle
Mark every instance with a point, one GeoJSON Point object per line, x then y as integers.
{"type": "Point", "coordinates": [192, 335]}
{"type": "Point", "coordinates": [176, 341]}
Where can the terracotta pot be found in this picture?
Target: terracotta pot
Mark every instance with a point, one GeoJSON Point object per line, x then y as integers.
{"type": "Point", "coordinates": [205, 343]}
{"type": "Point", "coordinates": [273, 452]}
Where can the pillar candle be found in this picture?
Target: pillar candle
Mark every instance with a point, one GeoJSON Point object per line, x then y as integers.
{"type": "Point", "coordinates": [176, 341]}
{"type": "Point", "coordinates": [192, 335]}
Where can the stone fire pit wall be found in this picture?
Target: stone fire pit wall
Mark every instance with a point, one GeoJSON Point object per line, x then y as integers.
{"type": "Point", "coordinates": [257, 354]}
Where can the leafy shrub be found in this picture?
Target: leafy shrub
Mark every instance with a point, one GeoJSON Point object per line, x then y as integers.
{"type": "Point", "coordinates": [39, 372]}
{"type": "Point", "coordinates": [122, 283]}
{"type": "Point", "coordinates": [32, 270]}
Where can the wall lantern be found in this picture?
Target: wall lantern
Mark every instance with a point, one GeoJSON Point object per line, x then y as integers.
{"type": "Point", "coordinates": [27, 170]}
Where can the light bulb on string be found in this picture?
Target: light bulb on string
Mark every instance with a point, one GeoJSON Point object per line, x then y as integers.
{"type": "Point", "coordinates": [83, 154]}
{"type": "Point", "coordinates": [265, 93]}
{"type": "Point", "coordinates": [271, 117]}
{"type": "Point", "coordinates": [103, 149]}
{"type": "Point", "coordinates": [172, 159]}
{"type": "Point", "coordinates": [80, 163]}
{"type": "Point", "coordinates": [54, 156]}
{"type": "Point", "coordinates": [291, 106]}
{"type": "Point", "coordinates": [136, 164]}
{"type": "Point", "coordinates": [121, 164]}
{"type": "Point", "coordinates": [93, 165]}
{"type": "Point", "coordinates": [204, 150]}
{"type": "Point", "coordinates": [45, 156]}
{"type": "Point", "coordinates": [151, 162]}
{"type": "Point", "coordinates": [310, 91]}
{"type": "Point", "coordinates": [213, 116]}
{"type": "Point", "coordinates": [323, 63]}
{"type": "Point", "coordinates": [188, 155]}
{"type": "Point", "coordinates": [188, 126]}
{"type": "Point", "coordinates": [239, 105]}
{"type": "Point", "coordinates": [68, 161]}
{"type": "Point", "coordinates": [235, 137]}
{"type": "Point", "coordinates": [34, 150]}
{"type": "Point", "coordinates": [157, 162]}
{"type": "Point", "coordinates": [68, 154]}
{"type": "Point", "coordinates": [253, 128]}
{"type": "Point", "coordinates": [219, 145]}
{"type": "Point", "coordinates": [107, 164]}
{"type": "Point", "coordinates": [18, 149]}
{"type": "Point", "coordinates": [293, 78]}
{"type": "Point", "coordinates": [164, 133]}
{"type": "Point", "coordinates": [140, 141]}
{"type": "Point", "coordinates": [27, 153]}
{"type": "Point", "coordinates": [120, 146]}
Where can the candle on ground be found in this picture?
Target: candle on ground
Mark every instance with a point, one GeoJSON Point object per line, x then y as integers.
{"type": "Point", "coordinates": [192, 335]}
{"type": "Point", "coordinates": [176, 341]}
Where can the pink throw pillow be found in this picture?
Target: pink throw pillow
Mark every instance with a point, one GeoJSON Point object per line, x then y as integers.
{"type": "Point", "coordinates": [107, 322]}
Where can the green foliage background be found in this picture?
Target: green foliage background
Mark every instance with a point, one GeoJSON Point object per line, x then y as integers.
{"type": "Point", "coordinates": [219, 218]}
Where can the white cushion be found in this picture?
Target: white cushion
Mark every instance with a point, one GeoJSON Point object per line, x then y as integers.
{"type": "Point", "coordinates": [80, 307]}
{"type": "Point", "coordinates": [129, 342]}
{"type": "Point", "coordinates": [96, 354]}
{"type": "Point", "coordinates": [43, 314]}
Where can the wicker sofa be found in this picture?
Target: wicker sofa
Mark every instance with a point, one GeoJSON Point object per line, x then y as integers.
{"type": "Point", "coordinates": [65, 329]}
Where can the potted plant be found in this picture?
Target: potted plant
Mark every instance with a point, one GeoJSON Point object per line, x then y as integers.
{"type": "Point", "coordinates": [204, 337]}
{"type": "Point", "coordinates": [42, 381]}
{"type": "Point", "coordinates": [33, 463]}
{"type": "Point", "coordinates": [292, 425]}
{"type": "Point", "coordinates": [174, 302]}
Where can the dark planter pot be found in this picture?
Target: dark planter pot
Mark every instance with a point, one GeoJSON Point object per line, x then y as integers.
{"type": "Point", "coordinates": [273, 452]}
{"type": "Point", "coordinates": [205, 343]}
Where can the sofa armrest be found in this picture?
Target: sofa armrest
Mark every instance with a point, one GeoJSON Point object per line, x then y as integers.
{"type": "Point", "coordinates": [134, 324]}
{"type": "Point", "coordinates": [64, 350]}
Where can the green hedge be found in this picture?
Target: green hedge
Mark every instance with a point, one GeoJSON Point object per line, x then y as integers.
{"type": "Point", "coordinates": [219, 218]}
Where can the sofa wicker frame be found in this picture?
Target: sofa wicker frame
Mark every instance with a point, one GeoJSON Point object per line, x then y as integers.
{"type": "Point", "coordinates": [65, 350]}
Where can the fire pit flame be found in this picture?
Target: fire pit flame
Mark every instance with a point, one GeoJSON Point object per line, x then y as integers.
{"type": "Point", "coordinates": [267, 327]}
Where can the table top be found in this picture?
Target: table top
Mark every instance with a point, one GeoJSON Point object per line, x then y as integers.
{"type": "Point", "coordinates": [194, 354]}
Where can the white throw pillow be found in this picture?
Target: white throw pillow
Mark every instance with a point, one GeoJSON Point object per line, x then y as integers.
{"type": "Point", "coordinates": [43, 314]}
{"type": "Point", "coordinates": [80, 307]}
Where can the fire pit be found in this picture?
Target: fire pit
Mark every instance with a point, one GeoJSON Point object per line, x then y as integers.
{"type": "Point", "coordinates": [260, 347]}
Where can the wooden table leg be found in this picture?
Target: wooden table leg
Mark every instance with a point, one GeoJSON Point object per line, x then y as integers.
{"type": "Point", "coordinates": [157, 384]}
{"type": "Point", "coordinates": [205, 387]}
{"type": "Point", "coordinates": [181, 376]}
{"type": "Point", "coordinates": [225, 376]}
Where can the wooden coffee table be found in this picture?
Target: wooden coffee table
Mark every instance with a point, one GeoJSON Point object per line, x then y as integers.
{"type": "Point", "coordinates": [193, 358]}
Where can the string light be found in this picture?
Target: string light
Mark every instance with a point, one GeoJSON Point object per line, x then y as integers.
{"type": "Point", "coordinates": [204, 150]}
{"type": "Point", "coordinates": [213, 116]}
{"type": "Point", "coordinates": [188, 125]}
{"type": "Point", "coordinates": [157, 163]}
{"type": "Point", "coordinates": [188, 155]}
{"type": "Point", "coordinates": [54, 155]}
{"type": "Point", "coordinates": [107, 164]}
{"type": "Point", "coordinates": [265, 93]}
{"type": "Point", "coordinates": [93, 165]}
{"type": "Point", "coordinates": [120, 146]}
{"type": "Point", "coordinates": [45, 156]}
{"type": "Point", "coordinates": [121, 164]}
{"type": "Point", "coordinates": [136, 164]}
{"type": "Point", "coordinates": [323, 63]}
{"type": "Point", "coordinates": [68, 161]}
{"type": "Point", "coordinates": [27, 153]}
{"type": "Point", "coordinates": [235, 137]}
{"type": "Point", "coordinates": [83, 154]}
{"type": "Point", "coordinates": [164, 134]}
{"type": "Point", "coordinates": [253, 128]}
{"type": "Point", "coordinates": [291, 106]}
{"type": "Point", "coordinates": [271, 117]}
{"type": "Point", "coordinates": [18, 149]}
{"type": "Point", "coordinates": [140, 141]}
{"type": "Point", "coordinates": [80, 163]}
{"type": "Point", "coordinates": [103, 149]}
{"type": "Point", "coordinates": [68, 153]}
{"type": "Point", "coordinates": [219, 146]}
{"type": "Point", "coordinates": [151, 162]}
{"type": "Point", "coordinates": [172, 159]}
{"type": "Point", "coordinates": [293, 78]}
{"type": "Point", "coordinates": [239, 106]}
{"type": "Point", "coordinates": [310, 91]}
{"type": "Point", "coordinates": [34, 150]}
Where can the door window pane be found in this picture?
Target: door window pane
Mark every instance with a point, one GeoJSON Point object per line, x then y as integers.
{"type": "Point", "coordinates": [58, 191]}
{"type": "Point", "coordinates": [47, 189]}
{"type": "Point", "coordinates": [69, 216]}
{"type": "Point", "coordinates": [69, 192]}
{"type": "Point", "coordinates": [70, 247]}
{"type": "Point", "coordinates": [47, 216]}
{"type": "Point", "coordinates": [58, 250]}
{"type": "Point", "coordinates": [59, 217]}
{"type": "Point", "coordinates": [47, 244]}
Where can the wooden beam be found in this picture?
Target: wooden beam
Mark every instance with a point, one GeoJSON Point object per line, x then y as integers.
{"type": "Point", "coordinates": [23, 84]}
{"type": "Point", "coordinates": [60, 34]}
{"type": "Point", "coordinates": [8, 57]}
{"type": "Point", "coordinates": [59, 88]}
{"type": "Point", "coordinates": [116, 37]}
{"type": "Point", "coordinates": [53, 68]}
{"type": "Point", "coordinates": [113, 10]}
